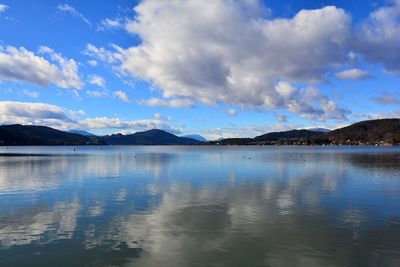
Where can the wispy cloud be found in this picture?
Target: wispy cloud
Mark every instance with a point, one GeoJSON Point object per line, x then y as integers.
{"type": "Point", "coordinates": [386, 99]}
{"type": "Point", "coordinates": [281, 118]}
{"type": "Point", "coordinates": [231, 112]}
{"type": "Point", "coordinates": [353, 74]}
{"type": "Point", "coordinates": [29, 93]}
{"type": "Point", "coordinates": [72, 11]}
{"type": "Point", "coordinates": [167, 103]}
{"type": "Point", "coordinates": [3, 8]}
{"type": "Point", "coordinates": [110, 24]}
{"type": "Point", "coordinates": [102, 54]}
{"type": "Point", "coordinates": [97, 93]}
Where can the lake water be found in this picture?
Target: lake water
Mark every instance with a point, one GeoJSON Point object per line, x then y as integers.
{"type": "Point", "coordinates": [199, 206]}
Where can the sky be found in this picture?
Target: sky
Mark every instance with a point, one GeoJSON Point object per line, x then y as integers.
{"type": "Point", "coordinates": [223, 68]}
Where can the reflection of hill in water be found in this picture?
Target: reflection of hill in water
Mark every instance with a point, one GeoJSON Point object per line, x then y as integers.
{"type": "Point", "coordinates": [386, 162]}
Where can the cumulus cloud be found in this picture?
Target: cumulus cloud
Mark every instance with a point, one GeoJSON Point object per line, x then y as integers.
{"type": "Point", "coordinates": [224, 51]}
{"type": "Point", "coordinates": [3, 8]}
{"type": "Point", "coordinates": [23, 65]}
{"type": "Point", "coordinates": [122, 95]}
{"type": "Point", "coordinates": [309, 103]}
{"type": "Point", "coordinates": [353, 74]}
{"type": "Point", "coordinates": [134, 125]}
{"type": "Point", "coordinates": [232, 112]}
{"type": "Point", "coordinates": [34, 114]}
{"type": "Point", "coordinates": [72, 11]}
{"type": "Point", "coordinates": [97, 80]}
{"type": "Point", "coordinates": [54, 116]}
{"type": "Point", "coordinates": [386, 99]}
{"type": "Point", "coordinates": [171, 103]}
{"type": "Point", "coordinates": [378, 38]}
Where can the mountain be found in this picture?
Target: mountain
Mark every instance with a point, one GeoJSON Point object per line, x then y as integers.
{"type": "Point", "coordinates": [195, 137]}
{"type": "Point", "coordinates": [233, 141]}
{"type": "Point", "coordinates": [151, 137]}
{"type": "Point", "coordinates": [40, 135]}
{"type": "Point", "coordinates": [293, 134]}
{"type": "Point", "coordinates": [81, 132]}
{"type": "Point", "coordinates": [372, 132]}
{"type": "Point", "coordinates": [292, 137]}
{"type": "Point", "coordinates": [322, 130]}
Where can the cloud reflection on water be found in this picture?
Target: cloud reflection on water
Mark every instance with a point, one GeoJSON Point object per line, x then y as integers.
{"type": "Point", "coordinates": [176, 208]}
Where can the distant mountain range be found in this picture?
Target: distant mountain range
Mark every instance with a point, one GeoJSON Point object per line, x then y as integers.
{"type": "Point", "coordinates": [151, 137]}
{"type": "Point", "coordinates": [196, 137]}
{"type": "Point", "coordinates": [81, 132]}
{"type": "Point", "coordinates": [372, 132]}
{"type": "Point", "coordinates": [323, 130]}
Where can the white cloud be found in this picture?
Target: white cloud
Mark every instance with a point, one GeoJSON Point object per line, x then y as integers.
{"type": "Point", "coordinates": [3, 8]}
{"type": "Point", "coordinates": [92, 63]}
{"type": "Point", "coordinates": [378, 38]}
{"type": "Point", "coordinates": [122, 95]}
{"type": "Point", "coordinates": [34, 114]}
{"type": "Point", "coordinates": [97, 80]}
{"type": "Point", "coordinates": [54, 116]}
{"type": "Point", "coordinates": [379, 115]}
{"type": "Point", "coordinates": [72, 11]}
{"type": "Point", "coordinates": [29, 93]}
{"type": "Point", "coordinates": [353, 74]}
{"type": "Point", "coordinates": [232, 112]}
{"type": "Point", "coordinates": [281, 118]}
{"type": "Point", "coordinates": [309, 103]}
{"type": "Point", "coordinates": [221, 51]}
{"type": "Point", "coordinates": [247, 131]}
{"type": "Point", "coordinates": [133, 125]}
{"type": "Point", "coordinates": [103, 54]}
{"type": "Point", "coordinates": [97, 93]}
{"type": "Point", "coordinates": [386, 99]}
{"type": "Point", "coordinates": [107, 24]}
{"type": "Point", "coordinates": [171, 103]}
{"type": "Point", "coordinates": [23, 65]}
{"type": "Point", "coordinates": [159, 116]}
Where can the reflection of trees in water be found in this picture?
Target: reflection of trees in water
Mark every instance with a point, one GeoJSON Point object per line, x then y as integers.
{"type": "Point", "coordinates": [382, 162]}
{"type": "Point", "coordinates": [69, 252]}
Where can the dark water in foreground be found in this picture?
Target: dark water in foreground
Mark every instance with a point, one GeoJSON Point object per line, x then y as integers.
{"type": "Point", "coordinates": [200, 206]}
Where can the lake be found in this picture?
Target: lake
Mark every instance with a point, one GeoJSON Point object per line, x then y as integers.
{"type": "Point", "coordinates": [199, 206]}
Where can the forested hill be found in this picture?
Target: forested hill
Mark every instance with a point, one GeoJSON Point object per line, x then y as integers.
{"type": "Point", "coordinates": [23, 135]}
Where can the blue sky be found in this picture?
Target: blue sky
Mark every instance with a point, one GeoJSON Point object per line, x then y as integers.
{"type": "Point", "coordinates": [226, 68]}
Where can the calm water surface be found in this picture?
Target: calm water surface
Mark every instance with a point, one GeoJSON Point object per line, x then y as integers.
{"type": "Point", "coordinates": [199, 206]}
